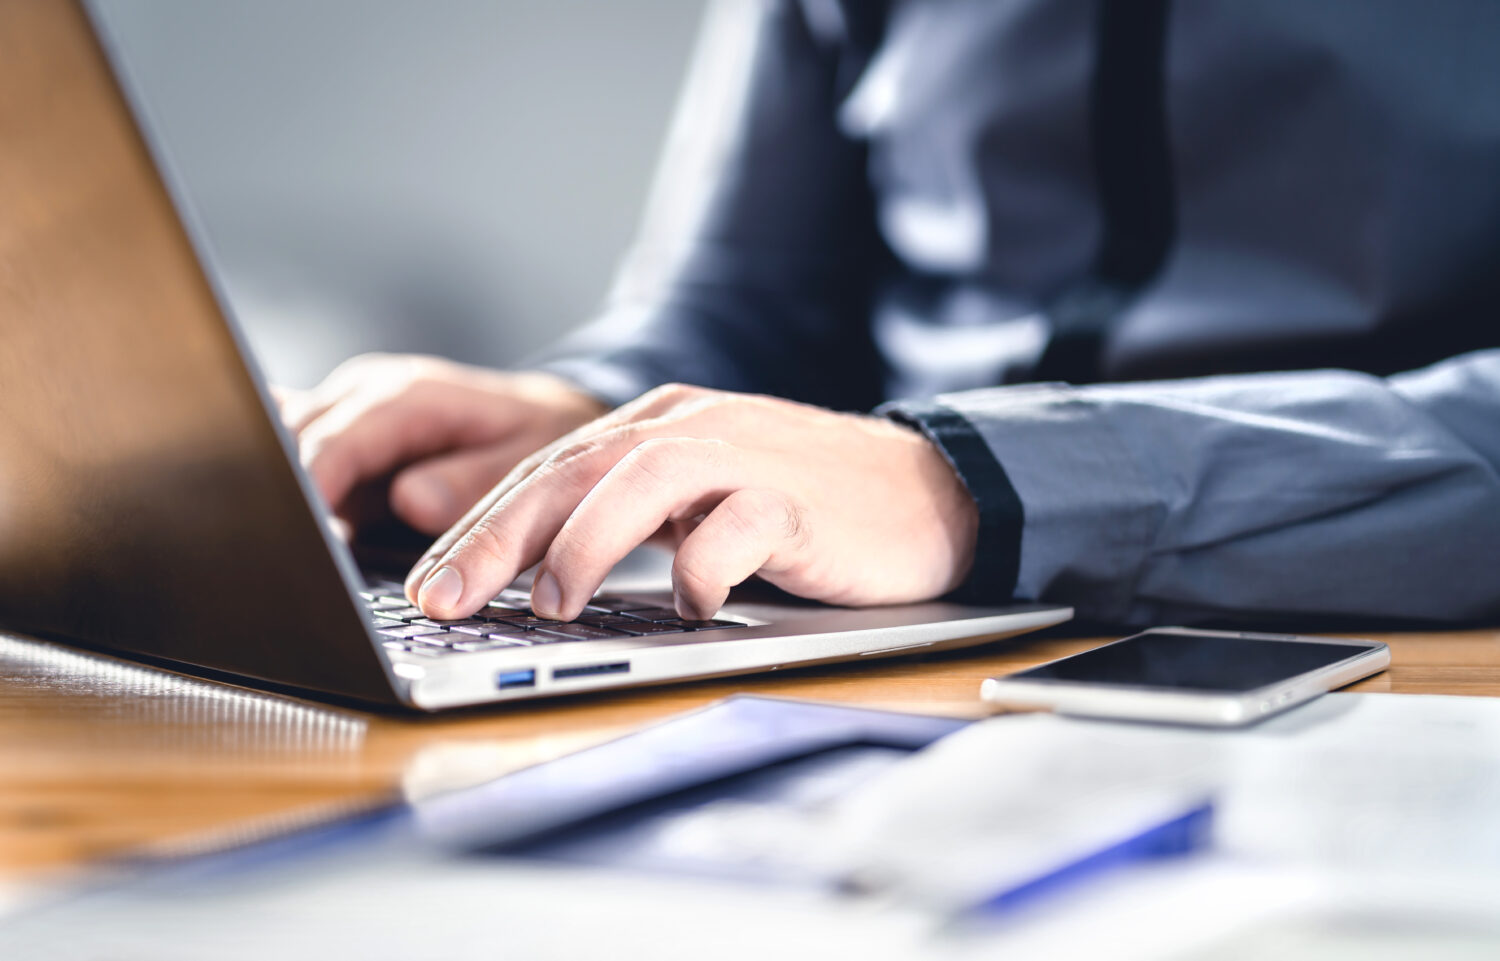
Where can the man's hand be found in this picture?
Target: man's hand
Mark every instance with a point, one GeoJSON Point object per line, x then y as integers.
{"type": "Point", "coordinates": [444, 432]}
{"type": "Point", "coordinates": [842, 508]}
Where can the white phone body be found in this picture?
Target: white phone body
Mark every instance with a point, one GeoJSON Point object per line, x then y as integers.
{"type": "Point", "coordinates": [1183, 705]}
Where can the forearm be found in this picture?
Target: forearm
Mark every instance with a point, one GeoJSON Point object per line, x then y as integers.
{"type": "Point", "coordinates": [1320, 492]}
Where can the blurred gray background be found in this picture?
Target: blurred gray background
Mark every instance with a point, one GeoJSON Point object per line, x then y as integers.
{"type": "Point", "coordinates": [451, 176]}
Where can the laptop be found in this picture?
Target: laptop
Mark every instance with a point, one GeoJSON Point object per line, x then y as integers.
{"type": "Point", "coordinates": [152, 505]}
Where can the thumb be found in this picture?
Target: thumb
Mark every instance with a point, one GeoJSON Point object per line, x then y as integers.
{"type": "Point", "coordinates": [434, 494]}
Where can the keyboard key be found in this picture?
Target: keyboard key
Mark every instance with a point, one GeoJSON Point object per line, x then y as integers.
{"type": "Point", "coordinates": [655, 614]}
{"type": "Point", "coordinates": [545, 637]}
{"type": "Point", "coordinates": [449, 625]}
{"type": "Point", "coordinates": [496, 613]}
{"type": "Point", "coordinates": [384, 622]}
{"type": "Point", "coordinates": [519, 638]}
{"type": "Point", "coordinates": [387, 603]}
{"type": "Point", "coordinates": [486, 644]}
{"type": "Point", "coordinates": [490, 629]}
{"type": "Point", "coordinates": [577, 632]}
{"type": "Point", "coordinates": [405, 631]}
{"type": "Point", "coordinates": [614, 603]}
{"type": "Point", "coordinates": [527, 621]}
{"type": "Point", "coordinates": [607, 620]}
{"type": "Point", "coordinates": [709, 625]}
{"type": "Point", "coordinates": [403, 613]}
{"type": "Point", "coordinates": [638, 627]}
{"type": "Point", "coordinates": [435, 638]}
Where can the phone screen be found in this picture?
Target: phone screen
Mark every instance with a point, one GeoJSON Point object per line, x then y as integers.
{"type": "Point", "coordinates": [1193, 662]}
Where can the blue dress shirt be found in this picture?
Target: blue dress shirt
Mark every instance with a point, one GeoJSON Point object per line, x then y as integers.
{"type": "Point", "coordinates": [1200, 298]}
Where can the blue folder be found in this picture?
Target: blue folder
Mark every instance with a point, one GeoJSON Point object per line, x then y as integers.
{"type": "Point", "coordinates": [613, 804]}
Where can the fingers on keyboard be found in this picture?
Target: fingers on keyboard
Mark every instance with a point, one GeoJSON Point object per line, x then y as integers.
{"type": "Point", "coordinates": [508, 622]}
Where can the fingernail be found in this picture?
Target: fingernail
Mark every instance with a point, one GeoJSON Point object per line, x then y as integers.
{"type": "Point", "coordinates": [417, 575]}
{"type": "Point", "coordinates": [546, 596]}
{"type": "Point", "coordinates": [441, 591]}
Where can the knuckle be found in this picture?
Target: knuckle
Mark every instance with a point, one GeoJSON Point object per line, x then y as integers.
{"type": "Point", "coordinates": [367, 409]}
{"type": "Point", "coordinates": [794, 525]}
{"type": "Point", "coordinates": [360, 363]}
{"type": "Point", "coordinates": [690, 575]}
{"type": "Point", "coordinates": [411, 383]}
{"type": "Point", "coordinates": [376, 366]}
{"type": "Point", "coordinates": [527, 466]}
{"type": "Point", "coordinates": [660, 459]}
{"type": "Point", "coordinates": [657, 448]}
{"type": "Point", "coordinates": [567, 456]}
{"type": "Point", "coordinates": [397, 372]}
{"type": "Point", "coordinates": [676, 390]}
{"type": "Point", "coordinates": [672, 394]}
{"type": "Point", "coordinates": [370, 400]}
{"type": "Point", "coordinates": [649, 464]}
{"type": "Point", "coordinates": [379, 401]}
{"type": "Point", "coordinates": [764, 511]}
{"type": "Point", "coordinates": [482, 541]}
{"type": "Point", "coordinates": [683, 451]}
{"type": "Point", "coordinates": [709, 407]}
{"type": "Point", "coordinates": [750, 511]}
{"type": "Point", "coordinates": [569, 555]}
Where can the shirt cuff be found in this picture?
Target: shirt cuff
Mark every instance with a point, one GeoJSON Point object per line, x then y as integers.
{"type": "Point", "coordinates": [997, 550]}
{"type": "Point", "coordinates": [1090, 511]}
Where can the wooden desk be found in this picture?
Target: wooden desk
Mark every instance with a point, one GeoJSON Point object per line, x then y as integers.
{"type": "Point", "coordinates": [98, 757]}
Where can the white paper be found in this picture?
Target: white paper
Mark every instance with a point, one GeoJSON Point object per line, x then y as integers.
{"type": "Point", "coordinates": [1382, 780]}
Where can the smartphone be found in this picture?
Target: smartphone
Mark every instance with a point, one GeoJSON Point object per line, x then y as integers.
{"type": "Point", "coordinates": [1184, 676]}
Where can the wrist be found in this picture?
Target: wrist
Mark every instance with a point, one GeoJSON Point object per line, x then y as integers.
{"type": "Point", "coordinates": [949, 509]}
{"type": "Point", "coordinates": [995, 559]}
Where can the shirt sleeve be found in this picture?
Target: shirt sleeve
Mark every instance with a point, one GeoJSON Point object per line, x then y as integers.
{"type": "Point", "coordinates": [1245, 497]}
{"type": "Point", "coordinates": [752, 268]}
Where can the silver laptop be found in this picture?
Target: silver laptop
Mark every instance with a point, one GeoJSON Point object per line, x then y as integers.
{"type": "Point", "coordinates": [152, 506]}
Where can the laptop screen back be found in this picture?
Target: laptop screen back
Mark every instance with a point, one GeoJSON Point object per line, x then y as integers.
{"type": "Point", "coordinates": [146, 501]}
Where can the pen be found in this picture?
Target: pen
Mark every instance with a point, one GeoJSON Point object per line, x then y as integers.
{"type": "Point", "coordinates": [1181, 834]}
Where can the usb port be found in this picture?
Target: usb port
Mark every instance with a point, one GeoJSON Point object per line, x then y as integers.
{"type": "Point", "coordinates": [505, 679]}
{"type": "Point", "coordinates": [587, 670]}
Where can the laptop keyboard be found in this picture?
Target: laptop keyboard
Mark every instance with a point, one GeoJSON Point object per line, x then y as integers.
{"type": "Point", "coordinates": [507, 622]}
